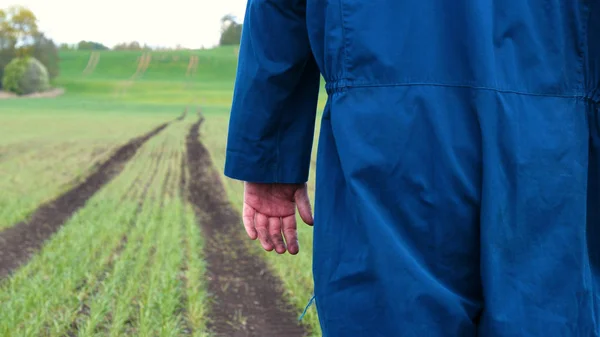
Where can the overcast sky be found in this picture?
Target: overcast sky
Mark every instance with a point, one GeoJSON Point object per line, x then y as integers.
{"type": "Point", "coordinates": [191, 23]}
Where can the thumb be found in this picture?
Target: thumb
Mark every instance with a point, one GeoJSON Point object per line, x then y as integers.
{"type": "Point", "coordinates": [303, 204]}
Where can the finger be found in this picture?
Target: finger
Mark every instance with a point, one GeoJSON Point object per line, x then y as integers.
{"type": "Point", "coordinates": [262, 225]}
{"type": "Point", "coordinates": [291, 234]}
{"type": "Point", "coordinates": [248, 215]}
{"type": "Point", "coordinates": [275, 234]}
{"type": "Point", "coordinates": [304, 207]}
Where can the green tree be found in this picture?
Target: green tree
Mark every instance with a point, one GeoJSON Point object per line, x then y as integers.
{"type": "Point", "coordinates": [8, 42]}
{"type": "Point", "coordinates": [18, 27]}
{"type": "Point", "coordinates": [134, 45]}
{"type": "Point", "coordinates": [91, 45]}
{"type": "Point", "coordinates": [25, 75]}
{"type": "Point", "coordinates": [22, 26]}
{"type": "Point", "coordinates": [21, 38]}
{"type": "Point", "coordinates": [7, 37]}
{"type": "Point", "coordinates": [231, 31]}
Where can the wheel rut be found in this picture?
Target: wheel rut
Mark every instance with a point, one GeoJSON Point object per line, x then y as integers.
{"type": "Point", "coordinates": [247, 299]}
{"type": "Point", "coordinates": [19, 242]}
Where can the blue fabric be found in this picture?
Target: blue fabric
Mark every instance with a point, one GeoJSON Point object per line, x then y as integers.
{"type": "Point", "coordinates": [458, 170]}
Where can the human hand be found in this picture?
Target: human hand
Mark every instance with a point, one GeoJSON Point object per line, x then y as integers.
{"type": "Point", "coordinates": [270, 210]}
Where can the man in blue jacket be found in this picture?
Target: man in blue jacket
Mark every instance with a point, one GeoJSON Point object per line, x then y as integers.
{"type": "Point", "coordinates": [458, 170]}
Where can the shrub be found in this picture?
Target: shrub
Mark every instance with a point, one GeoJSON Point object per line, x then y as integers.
{"type": "Point", "coordinates": [25, 76]}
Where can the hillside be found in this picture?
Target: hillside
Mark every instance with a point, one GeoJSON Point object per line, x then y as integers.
{"type": "Point", "coordinates": [165, 77]}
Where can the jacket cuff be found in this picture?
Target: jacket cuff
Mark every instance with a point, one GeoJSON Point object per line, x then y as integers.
{"type": "Point", "coordinates": [242, 167]}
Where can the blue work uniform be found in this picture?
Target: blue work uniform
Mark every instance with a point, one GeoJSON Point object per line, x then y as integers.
{"type": "Point", "coordinates": [458, 167]}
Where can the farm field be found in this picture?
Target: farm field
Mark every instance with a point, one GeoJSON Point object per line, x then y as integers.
{"type": "Point", "coordinates": [115, 218]}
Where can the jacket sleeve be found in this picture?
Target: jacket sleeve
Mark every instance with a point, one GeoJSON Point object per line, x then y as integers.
{"type": "Point", "coordinates": [272, 120]}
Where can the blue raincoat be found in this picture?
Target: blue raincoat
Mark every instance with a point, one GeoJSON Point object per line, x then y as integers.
{"type": "Point", "coordinates": [458, 169]}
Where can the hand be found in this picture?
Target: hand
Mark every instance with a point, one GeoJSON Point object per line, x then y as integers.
{"type": "Point", "coordinates": [270, 209]}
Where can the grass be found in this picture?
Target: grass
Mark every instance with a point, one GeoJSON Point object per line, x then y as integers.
{"type": "Point", "coordinates": [129, 261]}
{"type": "Point", "coordinates": [116, 267]}
{"type": "Point", "coordinates": [44, 152]}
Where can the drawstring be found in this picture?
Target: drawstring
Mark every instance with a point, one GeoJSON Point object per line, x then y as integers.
{"type": "Point", "coordinates": [312, 299]}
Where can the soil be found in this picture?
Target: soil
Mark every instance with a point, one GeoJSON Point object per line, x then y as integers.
{"type": "Point", "coordinates": [247, 299]}
{"type": "Point", "coordinates": [19, 242]}
{"type": "Point", "coordinates": [6, 95]}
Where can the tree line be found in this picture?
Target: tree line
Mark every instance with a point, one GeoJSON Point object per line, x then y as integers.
{"type": "Point", "coordinates": [231, 34]}
{"type": "Point", "coordinates": [91, 45]}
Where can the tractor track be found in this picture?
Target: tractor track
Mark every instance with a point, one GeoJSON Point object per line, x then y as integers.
{"type": "Point", "coordinates": [247, 299]}
{"type": "Point", "coordinates": [19, 242]}
{"type": "Point", "coordinates": [92, 63]}
{"type": "Point", "coordinates": [192, 66]}
{"type": "Point", "coordinates": [143, 63]}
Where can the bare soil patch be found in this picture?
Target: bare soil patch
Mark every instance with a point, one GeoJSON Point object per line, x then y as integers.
{"type": "Point", "coordinates": [52, 93]}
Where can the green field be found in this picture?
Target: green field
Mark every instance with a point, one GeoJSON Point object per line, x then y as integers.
{"type": "Point", "coordinates": [134, 259]}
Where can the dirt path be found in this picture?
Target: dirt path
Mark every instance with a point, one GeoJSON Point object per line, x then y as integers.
{"type": "Point", "coordinates": [52, 93]}
{"type": "Point", "coordinates": [191, 71]}
{"type": "Point", "coordinates": [20, 242]}
{"type": "Point", "coordinates": [7, 95]}
{"type": "Point", "coordinates": [248, 298]}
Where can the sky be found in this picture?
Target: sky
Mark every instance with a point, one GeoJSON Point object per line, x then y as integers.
{"type": "Point", "coordinates": [167, 23]}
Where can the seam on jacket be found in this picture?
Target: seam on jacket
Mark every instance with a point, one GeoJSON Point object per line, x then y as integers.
{"type": "Point", "coordinates": [335, 87]}
{"type": "Point", "coordinates": [345, 58]}
{"type": "Point", "coordinates": [584, 68]}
